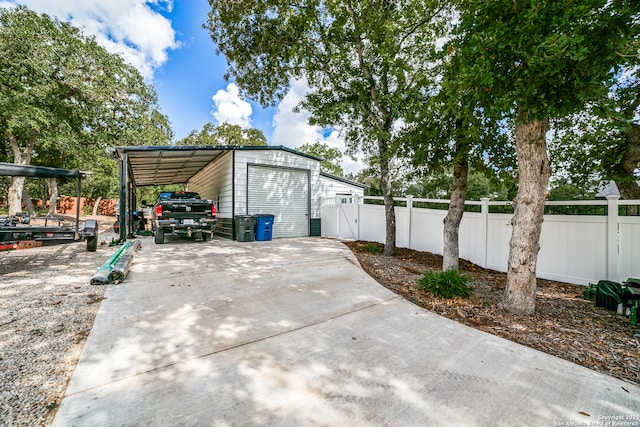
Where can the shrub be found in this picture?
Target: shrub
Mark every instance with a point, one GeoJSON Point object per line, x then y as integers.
{"type": "Point", "coordinates": [446, 284]}
{"type": "Point", "coordinates": [372, 248]}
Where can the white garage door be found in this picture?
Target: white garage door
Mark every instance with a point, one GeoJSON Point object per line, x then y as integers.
{"type": "Point", "coordinates": [283, 193]}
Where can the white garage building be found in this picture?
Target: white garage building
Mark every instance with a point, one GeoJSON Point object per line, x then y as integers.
{"type": "Point", "coordinates": [242, 180]}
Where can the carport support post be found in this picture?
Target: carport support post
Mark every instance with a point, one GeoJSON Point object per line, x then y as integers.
{"type": "Point", "coordinates": [123, 197]}
{"type": "Point", "coordinates": [132, 206]}
{"type": "Point", "coordinates": [78, 209]}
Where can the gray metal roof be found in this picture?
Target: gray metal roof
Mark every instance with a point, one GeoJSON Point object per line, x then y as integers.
{"type": "Point", "coordinates": [161, 165]}
{"type": "Point", "coordinates": [11, 169]}
{"type": "Point", "coordinates": [343, 179]}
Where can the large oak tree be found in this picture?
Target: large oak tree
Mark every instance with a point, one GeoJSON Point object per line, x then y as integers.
{"type": "Point", "coordinates": [532, 61]}
{"type": "Point", "coordinates": [58, 86]}
{"type": "Point", "coordinates": [367, 63]}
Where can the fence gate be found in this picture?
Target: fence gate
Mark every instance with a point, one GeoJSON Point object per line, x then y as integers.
{"type": "Point", "coordinates": [347, 221]}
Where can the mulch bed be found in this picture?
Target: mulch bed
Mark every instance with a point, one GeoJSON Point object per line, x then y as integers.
{"type": "Point", "coordinates": [564, 324]}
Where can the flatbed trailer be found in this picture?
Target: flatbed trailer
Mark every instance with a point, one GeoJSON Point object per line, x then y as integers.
{"type": "Point", "coordinates": [18, 232]}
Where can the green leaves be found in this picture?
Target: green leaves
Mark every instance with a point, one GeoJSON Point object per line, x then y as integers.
{"type": "Point", "coordinates": [331, 157]}
{"type": "Point", "coordinates": [446, 284]}
{"type": "Point", "coordinates": [552, 57]}
{"type": "Point", "coordinates": [225, 134]}
{"type": "Point", "coordinates": [64, 98]}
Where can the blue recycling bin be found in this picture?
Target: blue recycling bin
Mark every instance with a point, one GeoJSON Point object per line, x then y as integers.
{"type": "Point", "coordinates": [264, 227]}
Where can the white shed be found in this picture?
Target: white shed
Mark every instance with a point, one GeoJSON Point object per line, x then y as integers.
{"type": "Point", "coordinates": [331, 185]}
{"type": "Point", "coordinates": [243, 180]}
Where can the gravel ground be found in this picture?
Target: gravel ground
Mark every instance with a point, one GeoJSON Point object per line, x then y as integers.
{"type": "Point", "coordinates": [47, 308]}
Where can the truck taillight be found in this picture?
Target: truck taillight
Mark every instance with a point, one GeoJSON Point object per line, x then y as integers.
{"type": "Point", "coordinates": [159, 210]}
{"type": "Point", "coordinates": [213, 210]}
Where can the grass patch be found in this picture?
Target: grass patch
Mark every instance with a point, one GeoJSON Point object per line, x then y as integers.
{"type": "Point", "coordinates": [372, 248]}
{"type": "Point", "coordinates": [52, 405]}
{"type": "Point", "coordinates": [446, 284]}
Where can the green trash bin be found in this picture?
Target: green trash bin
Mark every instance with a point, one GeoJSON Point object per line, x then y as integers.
{"type": "Point", "coordinates": [245, 228]}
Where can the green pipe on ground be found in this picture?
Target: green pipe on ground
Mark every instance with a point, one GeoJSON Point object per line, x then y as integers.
{"type": "Point", "coordinates": [121, 268]}
{"type": "Point", "coordinates": [102, 275]}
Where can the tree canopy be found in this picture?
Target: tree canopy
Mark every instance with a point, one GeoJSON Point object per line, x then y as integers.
{"type": "Point", "coordinates": [63, 97]}
{"type": "Point", "coordinates": [330, 156]}
{"type": "Point", "coordinates": [532, 62]}
{"type": "Point", "coordinates": [366, 63]}
{"type": "Point", "coordinates": [224, 134]}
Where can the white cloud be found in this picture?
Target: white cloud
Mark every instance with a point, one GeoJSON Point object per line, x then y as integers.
{"type": "Point", "coordinates": [293, 129]}
{"type": "Point", "coordinates": [131, 28]}
{"type": "Point", "coordinates": [231, 108]}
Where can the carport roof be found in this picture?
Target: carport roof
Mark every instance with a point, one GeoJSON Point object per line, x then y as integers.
{"type": "Point", "coordinates": [161, 165]}
{"type": "Point", "coordinates": [11, 169]}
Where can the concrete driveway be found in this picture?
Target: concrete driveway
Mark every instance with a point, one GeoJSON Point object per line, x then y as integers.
{"type": "Point", "coordinates": [293, 332]}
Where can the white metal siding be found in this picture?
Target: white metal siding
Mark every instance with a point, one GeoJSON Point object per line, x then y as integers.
{"type": "Point", "coordinates": [283, 193]}
{"type": "Point", "coordinates": [330, 187]}
{"type": "Point", "coordinates": [279, 158]}
{"type": "Point", "coordinates": [215, 182]}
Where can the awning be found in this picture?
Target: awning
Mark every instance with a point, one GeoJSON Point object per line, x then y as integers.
{"type": "Point", "coordinates": [11, 169]}
{"type": "Point", "coordinates": [164, 165]}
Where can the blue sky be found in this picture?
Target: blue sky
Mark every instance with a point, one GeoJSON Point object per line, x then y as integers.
{"type": "Point", "coordinates": [193, 74]}
{"type": "Point", "coordinates": [165, 40]}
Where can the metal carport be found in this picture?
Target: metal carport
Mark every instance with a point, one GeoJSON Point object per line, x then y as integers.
{"type": "Point", "coordinates": [162, 165]}
{"type": "Point", "coordinates": [157, 165]}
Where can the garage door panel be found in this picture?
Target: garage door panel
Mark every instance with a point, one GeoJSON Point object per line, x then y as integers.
{"type": "Point", "coordinates": [283, 193]}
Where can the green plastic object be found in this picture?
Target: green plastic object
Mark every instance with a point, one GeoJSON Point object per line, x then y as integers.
{"type": "Point", "coordinates": [633, 282]}
{"type": "Point", "coordinates": [609, 294]}
{"type": "Point", "coordinates": [590, 291]}
{"type": "Point", "coordinates": [245, 228]}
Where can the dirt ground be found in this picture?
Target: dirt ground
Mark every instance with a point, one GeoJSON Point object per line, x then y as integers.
{"type": "Point", "coordinates": [564, 325]}
{"type": "Point", "coordinates": [47, 308]}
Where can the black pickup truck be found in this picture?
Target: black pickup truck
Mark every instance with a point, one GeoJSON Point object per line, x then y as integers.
{"type": "Point", "coordinates": [184, 214]}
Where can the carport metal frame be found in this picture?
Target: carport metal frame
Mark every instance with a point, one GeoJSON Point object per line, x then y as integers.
{"type": "Point", "coordinates": [164, 165]}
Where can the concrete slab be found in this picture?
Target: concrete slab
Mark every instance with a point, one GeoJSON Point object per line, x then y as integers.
{"type": "Point", "coordinates": [293, 332]}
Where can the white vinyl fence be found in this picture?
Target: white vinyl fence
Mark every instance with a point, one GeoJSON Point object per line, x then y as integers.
{"type": "Point", "coordinates": [578, 249]}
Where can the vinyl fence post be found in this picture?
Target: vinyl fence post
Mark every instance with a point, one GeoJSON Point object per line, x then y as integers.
{"type": "Point", "coordinates": [356, 200]}
{"type": "Point", "coordinates": [408, 226]}
{"type": "Point", "coordinates": [613, 263]}
{"type": "Point", "coordinates": [484, 210]}
{"type": "Point", "coordinates": [337, 202]}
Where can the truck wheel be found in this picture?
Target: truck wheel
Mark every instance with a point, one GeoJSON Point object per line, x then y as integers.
{"type": "Point", "coordinates": [92, 243]}
{"type": "Point", "coordinates": [205, 236]}
{"type": "Point", "coordinates": [159, 236]}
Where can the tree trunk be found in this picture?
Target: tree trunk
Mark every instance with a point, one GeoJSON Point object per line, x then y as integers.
{"type": "Point", "coordinates": [389, 209]}
{"type": "Point", "coordinates": [623, 172]}
{"type": "Point", "coordinates": [96, 205]}
{"type": "Point", "coordinates": [31, 210]}
{"type": "Point", "coordinates": [451, 251]}
{"type": "Point", "coordinates": [53, 196]}
{"type": "Point", "coordinates": [20, 157]}
{"type": "Point", "coordinates": [14, 195]}
{"type": "Point", "coordinates": [533, 178]}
